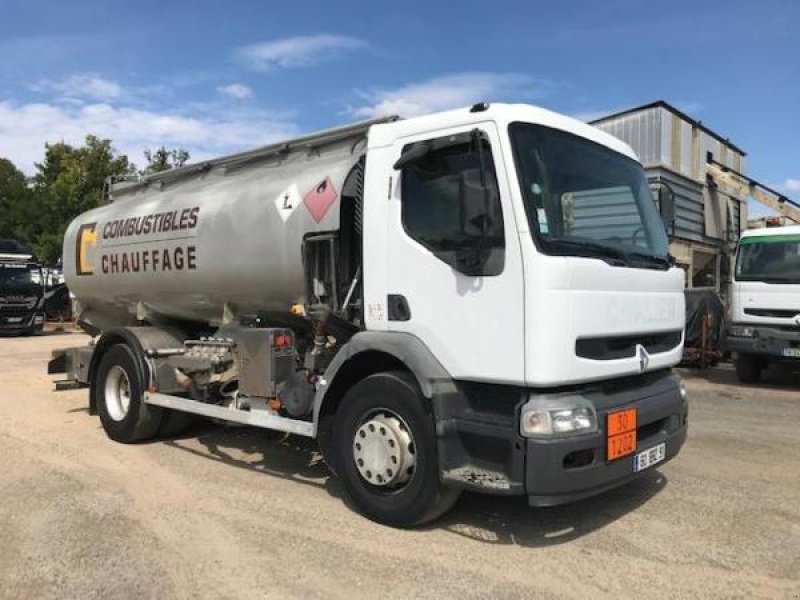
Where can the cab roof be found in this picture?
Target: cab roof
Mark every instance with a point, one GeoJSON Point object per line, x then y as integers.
{"type": "Point", "coordinates": [504, 114]}
{"type": "Point", "coordinates": [772, 231]}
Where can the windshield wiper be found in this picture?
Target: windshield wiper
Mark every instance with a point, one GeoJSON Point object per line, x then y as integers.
{"type": "Point", "coordinates": [612, 255]}
{"type": "Point", "coordinates": [592, 249]}
{"type": "Point", "coordinates": [666, 261]}
{"type": "Point", "coordinates": [773, 279]}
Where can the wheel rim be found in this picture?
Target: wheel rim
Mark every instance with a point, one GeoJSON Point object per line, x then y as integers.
{"type": "Point", "coordinates": [117, 393]}
{"type": "Point", "coordinates": [384, 451]}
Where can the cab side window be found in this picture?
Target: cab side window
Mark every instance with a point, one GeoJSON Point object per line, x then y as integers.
{"type": "Point", "coordinates": [434, 211]}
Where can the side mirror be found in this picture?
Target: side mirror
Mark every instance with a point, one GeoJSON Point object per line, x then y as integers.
{"type": "Point", "coordinates": [666, 203]}
{"type": "Point", "coordinates": [474, 201]}
{"type": "Point", "coordinates": [413, 154]}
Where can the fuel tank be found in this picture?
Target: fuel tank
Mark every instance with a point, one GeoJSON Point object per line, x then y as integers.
{"type": "Point", "coordinates": [218, 237]}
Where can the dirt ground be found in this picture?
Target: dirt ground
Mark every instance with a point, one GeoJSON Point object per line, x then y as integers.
{"type": "Point", "coordinates": [228, 513]}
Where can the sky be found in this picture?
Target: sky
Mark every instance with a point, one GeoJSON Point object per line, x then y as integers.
{"type": "Point", "coordinates": [216, 77]}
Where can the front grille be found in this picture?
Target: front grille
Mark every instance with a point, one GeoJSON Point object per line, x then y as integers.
{"type": "Point", "coordinates": [610, 348]}
{"type": "Point", "coordinates": [17, 302]}
{"type": "Point", "coordinates": [14, 311]}
{"type": "Point", "coordinates": [644, 432]}
{"type": "Point", "coordinates": [778, 313]}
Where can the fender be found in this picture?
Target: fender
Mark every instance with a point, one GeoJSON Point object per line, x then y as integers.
{"type": "Point", "coordinates": [141, 340]}
{"type": "Point", "coordinates": [432, 377]}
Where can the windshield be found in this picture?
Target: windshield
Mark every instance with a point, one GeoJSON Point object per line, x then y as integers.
{"type": "Point", "coordinates": [11, 274]}
{"type": "Point", "coordinates": [587, 200]}
{"type": "Point", "coordinates": [773, 258]}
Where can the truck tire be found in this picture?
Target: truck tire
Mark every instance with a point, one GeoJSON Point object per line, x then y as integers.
{"type": "Point", "coordinates": [748, 368]}
{"type": "Point", "coordinates": [385, 447]}
{"type": "Point", "coordinates": [120, 404]}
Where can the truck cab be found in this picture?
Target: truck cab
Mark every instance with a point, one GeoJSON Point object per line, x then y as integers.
{"type": "Point", "coordinates": [525, 252]}
{"type": "Point", "coordinates": [21, 290]}
{"type": "Point", "coordinates": [764, 319]}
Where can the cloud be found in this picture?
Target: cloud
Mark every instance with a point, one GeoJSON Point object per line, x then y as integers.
{"type": "Point", "coordinates": [24, 129]}
{"type": "Point", "coordinates": [300, 51]}
{"type": "Point", "coordinates": [788, 186]}
{"type": "Point", "coordinates": [90, 86]}
{"type": "Point", "coordinates": [444, 92]}
{"type": "Point", "coordinates": [237, 91]}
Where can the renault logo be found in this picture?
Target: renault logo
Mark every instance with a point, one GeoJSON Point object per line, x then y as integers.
{"type": "Point", "coordinates": [644, 357]}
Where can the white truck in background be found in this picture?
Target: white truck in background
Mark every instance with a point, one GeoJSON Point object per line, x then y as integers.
{"type": "Point", "coordinates": [764, 320]}
{"type": "Point", "coordinates": [478, 299]}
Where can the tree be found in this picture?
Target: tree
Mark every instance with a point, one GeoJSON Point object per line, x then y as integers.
{"type": "Point", "coordinates": [68, 182]}
{"type": "Point", "coordinates": [15, 202]}
{"type": "Point", "coordinates": [164, 160]}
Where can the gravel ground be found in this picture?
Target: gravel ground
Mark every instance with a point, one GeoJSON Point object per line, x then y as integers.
{"type": "Point", "coordinates": [229, 513]}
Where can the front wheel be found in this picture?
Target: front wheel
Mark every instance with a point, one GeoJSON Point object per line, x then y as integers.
{"type": "Point", "coordinates": [385, 444]}
{"type": "Point", "coordinates": [748, 368]}
{"type": "Point", "coordinates": [119, 388]}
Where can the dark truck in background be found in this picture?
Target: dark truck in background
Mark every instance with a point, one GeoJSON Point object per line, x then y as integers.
{"type": "Point", "coordinates": [21, 290]}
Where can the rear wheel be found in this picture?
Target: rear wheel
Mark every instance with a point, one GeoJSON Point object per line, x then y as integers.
{"type": "Point", "coordinates": [385, 447]}
{"type": "Point", "coordinates": [748, 368]}
{"type": "Point", "coordinates": [120, 402]}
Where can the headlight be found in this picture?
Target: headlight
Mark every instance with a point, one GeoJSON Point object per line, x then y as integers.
{"type": "Point", "coordinates": [682, 390]}
{"type": "Point", "coordinates": [550, 417]}
{"type": "Point", "coordinates": [741, 331]}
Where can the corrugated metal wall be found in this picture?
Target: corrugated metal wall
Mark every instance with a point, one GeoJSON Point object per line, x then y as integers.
{"type": "Point", "coordinates": [643, 131]}
{"type": "Point", "coordinates": [673, 150]}
{"type": "Point", "coordinates": [601, 214]}
{"type": "Point", "coordinates": [662, 138]}
{"type": "Point", "coordinates": [690, 218]}
{"type": "Point", "coordinates": [689, 205]}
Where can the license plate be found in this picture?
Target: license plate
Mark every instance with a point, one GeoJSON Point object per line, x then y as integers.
{"type": "Point", "coordinates": [793, 352]}
{"type": "Point", "coordinates": [650, 457]}
{"type": "Point", "coordinates": [621, 428]}
{"type": "Point", "coordinates": [13, 319]}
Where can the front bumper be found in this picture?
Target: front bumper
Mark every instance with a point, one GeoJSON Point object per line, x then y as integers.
{"type": "Point", "coordinates": [766, 341]}
{"type": "Point", "coordinates": [17, 322]}
{"type": "Point", "coordinates": [484, 451]}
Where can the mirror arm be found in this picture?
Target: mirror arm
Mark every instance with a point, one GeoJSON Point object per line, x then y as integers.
{"type": "Point", "coordinates": [670, 227]}
{"type": "Point", "coordinates": [477, 139]}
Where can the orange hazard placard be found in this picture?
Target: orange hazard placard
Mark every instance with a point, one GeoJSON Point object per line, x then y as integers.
{"type": "Point", "coordinates": [621, 428]}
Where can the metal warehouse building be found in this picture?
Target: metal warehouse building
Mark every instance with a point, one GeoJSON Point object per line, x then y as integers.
{"type": "Point", "coordinates": [673, 148]}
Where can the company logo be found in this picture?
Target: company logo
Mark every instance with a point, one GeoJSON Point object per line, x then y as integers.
{"type": "Point", "coordinates": [644, 357]}
{"type": "Point", "coordinates": [87, 236]}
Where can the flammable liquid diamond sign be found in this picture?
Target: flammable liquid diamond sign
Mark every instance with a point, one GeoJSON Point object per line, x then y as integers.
{"type": "Point", "coordinates": [320, 198]}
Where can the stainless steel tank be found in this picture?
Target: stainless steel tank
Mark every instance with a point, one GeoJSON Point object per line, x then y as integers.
{"type": "Point", "coordinates": [188, 243]}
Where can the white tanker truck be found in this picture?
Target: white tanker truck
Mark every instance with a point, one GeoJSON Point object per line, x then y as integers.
{"type": "Point", "coordinates": [478, 299]}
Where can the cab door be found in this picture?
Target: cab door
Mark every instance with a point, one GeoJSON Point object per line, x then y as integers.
{"type": "Point", "coordinates": [469, 313]}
